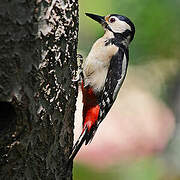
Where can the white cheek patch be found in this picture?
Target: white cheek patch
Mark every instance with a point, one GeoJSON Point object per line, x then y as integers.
{"type": "Point", "coordinates": [120, 26]}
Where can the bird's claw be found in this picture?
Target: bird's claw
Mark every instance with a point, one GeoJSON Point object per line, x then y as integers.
{"type": "Point", "coordinates": [79, 73]}
{"type": "Point", "coordinates": [78, 76]}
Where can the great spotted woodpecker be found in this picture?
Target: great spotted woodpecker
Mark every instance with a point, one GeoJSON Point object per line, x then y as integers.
{"type": "Point", "coordinates": [103, 73]}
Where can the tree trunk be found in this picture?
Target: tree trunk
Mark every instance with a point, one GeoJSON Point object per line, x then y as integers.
{"type": "Point", "coordinates": [38, 43]}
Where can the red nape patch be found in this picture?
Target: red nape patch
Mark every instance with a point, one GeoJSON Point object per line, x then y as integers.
{"type": "Point", "coordinates": [90, 108]}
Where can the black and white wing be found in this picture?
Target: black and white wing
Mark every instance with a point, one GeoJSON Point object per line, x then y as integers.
{"type": "Point", "coordinates": [115, 77]}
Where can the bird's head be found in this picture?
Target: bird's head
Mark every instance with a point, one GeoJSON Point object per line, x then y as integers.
{"type": "Point", "coordinates": [117, 24]}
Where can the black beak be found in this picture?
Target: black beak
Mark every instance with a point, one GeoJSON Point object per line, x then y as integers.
{"type": "Point", "coordinates": [99, 19]}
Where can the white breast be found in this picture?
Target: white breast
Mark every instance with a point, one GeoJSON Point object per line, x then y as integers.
{"type": "Point", "coordinates": [95, 75]}
{"type": "Point", "coordinates": [97, 63]}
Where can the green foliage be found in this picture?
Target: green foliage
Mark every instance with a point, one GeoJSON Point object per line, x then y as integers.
{"type": "Point", "coordinates": [157, 26]}
{"type": "Point", "coordinates": [82, 172]}
{"type": "Point", "coordinates": [145, 169]}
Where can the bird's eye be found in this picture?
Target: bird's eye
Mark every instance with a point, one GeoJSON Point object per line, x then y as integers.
{"type": "Point", "coordinates": [111, 20]}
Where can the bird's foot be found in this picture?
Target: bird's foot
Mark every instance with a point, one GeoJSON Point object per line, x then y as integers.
{"type": "Point", "coordinates": [79, 73]}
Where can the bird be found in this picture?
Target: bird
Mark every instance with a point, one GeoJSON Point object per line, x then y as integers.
{"type": "Point", "coordinates": [103, 73]}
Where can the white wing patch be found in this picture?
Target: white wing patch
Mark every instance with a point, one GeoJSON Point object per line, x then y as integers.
{"type": "Point", "coordinates": [120, 81]}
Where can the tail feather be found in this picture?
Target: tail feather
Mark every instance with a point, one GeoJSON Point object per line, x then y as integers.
{"type": "Point", "coordinates": [91, 134]}
{"type": "Point", "coordinates": [78, 144]}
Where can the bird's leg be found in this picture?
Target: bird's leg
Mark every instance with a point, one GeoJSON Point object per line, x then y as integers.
{"type": "Point", "coordinates": [79, 72]}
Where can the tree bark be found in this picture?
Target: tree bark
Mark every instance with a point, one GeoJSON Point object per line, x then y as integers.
{"type": "Point", "coordinates": [38, 44]}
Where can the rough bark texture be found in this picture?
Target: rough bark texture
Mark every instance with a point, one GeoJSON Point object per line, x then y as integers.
{"type": "Point", "coordinates": [38, 43]}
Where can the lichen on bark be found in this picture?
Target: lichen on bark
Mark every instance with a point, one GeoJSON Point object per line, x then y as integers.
{"type": "Point", "coordinates": [37, 61]}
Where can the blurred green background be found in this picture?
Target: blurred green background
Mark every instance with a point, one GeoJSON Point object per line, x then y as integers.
{"type": "Point", "coordinates": [157, 48]}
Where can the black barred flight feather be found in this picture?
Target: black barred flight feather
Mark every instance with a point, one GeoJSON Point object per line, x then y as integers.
{"type": "Point", "coordinates": [115, 77]}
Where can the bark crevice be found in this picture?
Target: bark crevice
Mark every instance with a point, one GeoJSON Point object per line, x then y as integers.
{"type": "Point", "coordinates": [38, 50]}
